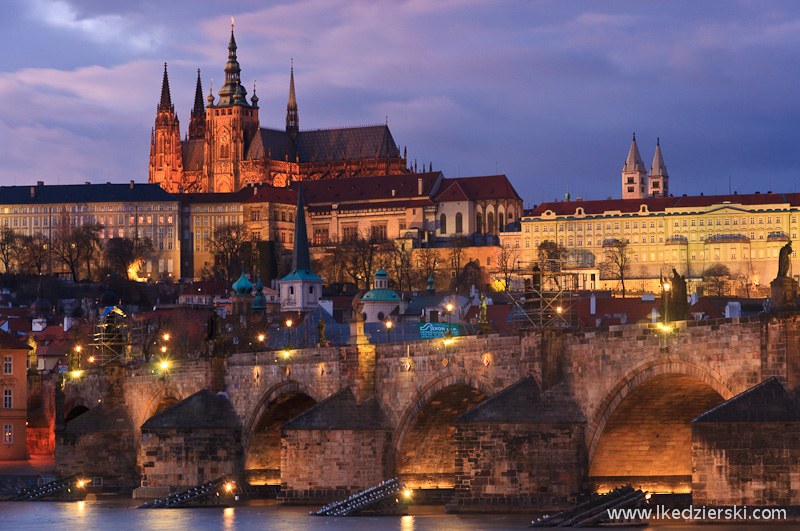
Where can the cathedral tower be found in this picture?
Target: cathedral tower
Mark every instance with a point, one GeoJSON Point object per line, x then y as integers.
{"type": "Point", "coordinates": [231, 124]}
{"type": "Point", "coordinates": [634, 174]}
{"type": "Point", "coordinates": [166, 161]}
{"type": "Point", "coordinates": [659, 179]}
{"type": "Point", "coordinates": [197, 126]}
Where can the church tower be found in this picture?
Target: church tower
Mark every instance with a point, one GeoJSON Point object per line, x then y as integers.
{"type": "Point", "coordinates": [292, 121]}
{"type": "Point", "coordinates": [231, 124]}
{"type": "Point", "coordinates": [197, 126]}
{"type": "Point", "coordinates": [659, 179]}
{"type": "Point", "coordinates": [166, 162]}
{"type": "Point", "coordinates": [634, 174]}
{"type": "Point", "coordinates": [300, 290]}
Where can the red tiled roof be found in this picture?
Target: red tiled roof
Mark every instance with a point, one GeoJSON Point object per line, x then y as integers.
{"type": "Point", "coordinates": [636, 310]}
{"type": "Point", "coordinates": [708, 308]}
{"type": "Point", "coordinates": [474, 188]}
{"type": "Point", "coordinates": [7, 342]}
{"type": "Point", "coordinates": [231, 197]}
{"type": "Point", "coordinates": [408, 203]}
{"type": "Point", "coordinates": [373, 188]}
{"type": "Point", "coordinates": [496, 315]}
{"type": "Point", "coordinates": [660, 204]}
{"type": "Point", "coordinates": [272, 194]}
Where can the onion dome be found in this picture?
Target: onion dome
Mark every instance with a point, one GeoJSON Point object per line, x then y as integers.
{"type": "Point", "coordinates": [381, 291]}
{"type": "Point", "coordinates": [109, 298]}
{"type": "Point", "coordinates": [242, 286]}
{"type": "Point", "coordinates": [41, 307]}
{"type": "Point", "coordinates": [259, 301]}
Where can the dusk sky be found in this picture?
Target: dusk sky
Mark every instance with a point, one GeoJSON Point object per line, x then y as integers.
{"type": "Point", "coordinates": [547, 92]}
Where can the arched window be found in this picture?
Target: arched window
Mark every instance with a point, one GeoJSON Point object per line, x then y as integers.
{"type": "Point", "coordinates": [311, 290]}
{"type": "Point", "coordinates": [490, 223]}
{"type": "Point", "coordinates": [479, 223]}
{"type": "Point", "coordinates": [501, 225]}
{"type": "Point", "coordinates": [291, 290]}
{"type": "Point", "coordinates": [459, 226]}
{"type": "Point", "coordinates": [380, 316]}
{"type": "Point", "coordinates": [443, 224]}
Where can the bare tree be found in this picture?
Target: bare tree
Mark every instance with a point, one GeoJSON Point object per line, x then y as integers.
{"type": "Point", "coordinates": [745, 277]}
{"type": "Point", "coordinates": [8, 247]}
{"type": "Point", "coordinates": [716, 278]}
{"type": "Point", "coordinates": [617, 263]}
{"type": "Point", "coordinates": [428, 260]}
{"type": "Point", "coordinates": [33, 253]}
{"type": "Point", "coordinates": [75, 245]}
{"type": "Point", "coordinates": [507, 258]}
{"type": "Point", "coordinates": [402, 264]}
{"type": "Point", "coordinates": [362, 255]}
{"type": "Point", "coordinates": [225, 243]}
{"type": "Point", "coordinates": [122, 253]}
{"type": "Point", "coordinates": [457, 254]}
{"type": "Point", "coordinates": [88, 243]}
{"type": "Point", "coordinates": [332, 267]}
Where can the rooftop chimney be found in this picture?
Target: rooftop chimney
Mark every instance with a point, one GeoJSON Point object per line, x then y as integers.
{"type": "Point", "coordinates": [419, 185]}
{"type": "Point", "coordinates": [39, 183]}
{"type": "Point", "coordinates": [33, 192]}
{"type": "Point", "coordinates": [86, 182]}
{"type": "Point", "coordinates": [131, 184]}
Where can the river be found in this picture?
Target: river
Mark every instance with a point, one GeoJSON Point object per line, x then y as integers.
{"type": "Point", "coordinates": [121, 515]}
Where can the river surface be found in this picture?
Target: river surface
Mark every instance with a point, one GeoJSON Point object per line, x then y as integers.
{"type": "Point", "coordinates": [121, 515]}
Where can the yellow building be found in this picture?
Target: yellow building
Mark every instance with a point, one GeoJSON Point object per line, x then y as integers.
{"type": "Point", "coordinates": [14, 389]}
{"type": "Point", "coordinates": [123, 210]}
{"type": "Point", "coordinates": [743, 232]}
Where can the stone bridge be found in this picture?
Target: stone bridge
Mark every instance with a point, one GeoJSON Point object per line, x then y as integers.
{"type": "Point", "coordinates": [602, 406]}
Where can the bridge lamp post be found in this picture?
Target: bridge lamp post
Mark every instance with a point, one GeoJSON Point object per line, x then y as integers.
{"type": "Point", "coordinates": [289, 334]}
{"type": "Point", "coordinates": [388, 328]}
{"type": "Point", "coordinates": [665, 326]}
{"type": "Point", "coordinates": [449, 320]}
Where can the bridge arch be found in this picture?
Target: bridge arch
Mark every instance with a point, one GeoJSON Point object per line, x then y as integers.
{"type": "Point", "coordinates": [262, 436]}
{"type": "Point", "coordinates": [641, 431]}
{"type": "Point", "coordinates": [77, 406]}
{"type": "Point", "coordinates": [424, 445]}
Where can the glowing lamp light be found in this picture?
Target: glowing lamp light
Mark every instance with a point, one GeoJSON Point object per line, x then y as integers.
{"type": "Point", "coordinates": [91, 359]}
{"type": "Point", "coordinates": [286, 353]}
{"type": "Point", "coordinates": [407, 493]}
{"type": "Point", "coordinates": [78, 348]}
{"type": "Point", "coordinates": [648, 496]}
{"type": "Point", "coordinates": [486, 361]}
{"type": "Point", "coordinates": [164, 364]}
{"type": "Point", "coordinates": [229, 486]}
{"type": "Point", "coordinates": [289, 323]}
{"type": "Point", "coordinates": [261, 337]}
{"type": "Point", "coordinates": [448, 341]}
{"type": "Point", "coordinates": [559, 309]}
{"type": "Point", "coordinates": [388, 324]}
{"type": "Point", "coordinates": [164, 349]}
{"type": "Point", "coordinates": [666, 286]}
{"type": "Point", "coordinates": [166, 337]}
{"type": "Point", "coordinates": [449, 307]}
{"type": "Point", "coordinates": [76, 374]}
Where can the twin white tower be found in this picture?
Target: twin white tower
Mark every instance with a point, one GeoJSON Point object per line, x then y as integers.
{"type": "Point", "coordinates": [635, 181]}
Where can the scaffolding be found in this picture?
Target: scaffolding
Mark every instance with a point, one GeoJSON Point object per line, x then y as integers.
{"type": "Point", "coordinates": [549, 299]}
{"type": "Point", "coordinates": [115, 337]}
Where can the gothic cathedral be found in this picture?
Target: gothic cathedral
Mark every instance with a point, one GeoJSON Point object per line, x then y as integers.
{"type": "Point", "coordinates": [226, 148]}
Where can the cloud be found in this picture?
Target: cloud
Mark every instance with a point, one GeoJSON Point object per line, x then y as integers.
{"type": "Point", "coordinates": [106, 29]}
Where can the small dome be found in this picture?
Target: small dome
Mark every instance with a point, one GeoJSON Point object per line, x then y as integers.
{"type": "Point", "coordinates": [242, 286]}
{"type": "Point", "coordinates": [380, 294]}
{"type": "Point", "coordinates": [380, 273]}
{"type": "Point", "coordinates": [109, 298]}
{"type": "Point", "coordinates": [41, 307]}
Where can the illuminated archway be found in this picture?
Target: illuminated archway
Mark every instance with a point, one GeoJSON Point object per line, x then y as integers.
{"type": "Point", "coordinates": [262, 442]}
{"type": "Point", "coordinates": [647, 439]}
{"type": "Point", "coordinates": [424, 443]}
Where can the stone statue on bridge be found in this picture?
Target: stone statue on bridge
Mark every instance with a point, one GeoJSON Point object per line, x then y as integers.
{"type": "Point", "coordinates": [784, 287]}
{"type": "Point", "coordinates": [785, 261]}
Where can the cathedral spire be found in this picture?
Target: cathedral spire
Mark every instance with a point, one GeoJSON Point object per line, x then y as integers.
{"type": "Point", "coordinates": [197, 125]}
{"type": "Point", "coordinates": [659, 178]}
{"type": "Point", "coordinates": [292, 120]}
{"type": "Point", "coordinates": [166, 101]}
{"type": "Point", "coordinates": [634, 174]}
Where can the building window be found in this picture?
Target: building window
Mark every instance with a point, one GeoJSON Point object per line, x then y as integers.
{"type": "Point", "coordinates": [378, 232]}
{"type": "Point", "coordinates": [8, 434]}
{"type": "Point", "coordinates": [443, 224]}
{"type": "Point", "coordinates": [349, 233]}
{"type": "Point", "coordinates": [8, 402]}
{"type": "Point", "coordinates": [459, 224]}
{"type": "Point", "coordinates": [7, 365]}
{"type": "Point", "coordinates": [321, 236]}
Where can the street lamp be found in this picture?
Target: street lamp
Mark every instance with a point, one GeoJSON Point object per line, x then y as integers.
{"type": "Point", "coordinates": [449, 320]}
{"type": "Point", "coordinates": [166, 337]}
{"type": "Point", "coordinates": [289, 334]}
{"type": "Point", "coordinates": [388, 327]}
{"type": "Point", "coordinates": [666, 327]}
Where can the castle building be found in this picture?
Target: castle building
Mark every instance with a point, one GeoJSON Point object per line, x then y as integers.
{"type": "Point", "coordinates": [742, 231]}
{"type": "Point", "coordinates": [226, 148]}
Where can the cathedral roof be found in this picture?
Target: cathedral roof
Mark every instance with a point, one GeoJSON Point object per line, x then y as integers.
{"type": "Point", "coordinates": [380, 187]}
{"type": "Point", "coordinates": [322, 145]}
